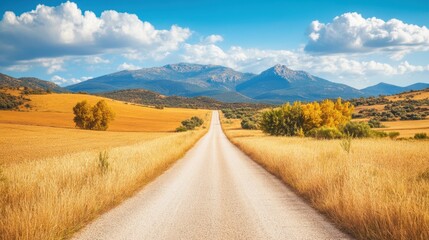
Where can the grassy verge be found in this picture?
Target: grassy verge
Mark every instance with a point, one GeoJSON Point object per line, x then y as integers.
{"type": "Point", "coordinates": [380, 190]}
{"type": "Point", "coordinates": [53, 198]}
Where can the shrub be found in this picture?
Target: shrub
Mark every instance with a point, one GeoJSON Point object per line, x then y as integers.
{"type": "Point", "coordinates": [346, 143]}
{"type": "Point", "coordinates": [181, 129]}
{"type": "Point", "coordinates": [8, 101]}
{"type": "Point", "coordinates": [393, 135]}
{"type": "Point", "coordinates": [248, 124]}
{"type": "Point", "coordinates": [356, 129]}
{"type": "Point", "coordinates": [97, 117]}
{"type": "Point", "coordinates": [378, 134]}
{"type": "Point", "coordinates": [273, 122]}
{"type": "Point", "coordinates": [420, 136]}
{"type": "Point", "coordinates": [197, 121]}
{"type": "Point", "coordinates": [190, 124]}
{"type": "Point", "coordinates": [325, 133]}
{"type": "Point", "coordinates": [103, 163]}
{"type": "Point", "coordinates": [375, 123]}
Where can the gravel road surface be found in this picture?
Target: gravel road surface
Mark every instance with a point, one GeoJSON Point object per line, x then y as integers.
{"type": "Point", "coordinates": [214, 192]}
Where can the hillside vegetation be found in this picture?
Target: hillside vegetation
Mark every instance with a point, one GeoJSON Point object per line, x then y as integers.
{"type": "Point", "coordinates": [413, 105]}
{"type": "Point", "coordinates": [376, 190]}
{"type": "Point", "coordinates": [145, 97]}
{"type": "Point", "coordinates": [56, 110]}
{"type": "Point", "coordinates": [29, 83]}
{"type": "Point", "coordinates": [8, 101]}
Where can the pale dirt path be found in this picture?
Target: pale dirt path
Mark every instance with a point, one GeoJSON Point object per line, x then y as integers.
{"type": "Point", "coordinates": [214, 192]}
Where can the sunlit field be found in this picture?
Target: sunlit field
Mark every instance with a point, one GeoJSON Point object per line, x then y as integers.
{"type": "Point", "coordinates": [56, 110]}
{"type": "Point", "coordinates": [407, 128]}
{"type": "Point", "coordinates": [54, 180]}
{"type": "Point", "coordinates": [380, 190]}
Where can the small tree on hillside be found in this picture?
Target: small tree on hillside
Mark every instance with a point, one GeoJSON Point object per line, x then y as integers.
{"type": "Point", "coordinates": [102, 115]}
{"type": "Point", "coordinates": [97, 117]}
{"type": "Point", "coordinates": [82, 115]}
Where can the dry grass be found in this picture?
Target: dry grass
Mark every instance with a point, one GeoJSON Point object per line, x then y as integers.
{"type": "Point", "coordinates": [55, 110]}
{"type": "Point", "coordinates": [378, 107]}
{"type": "Point", "coordinates": [52, 180]}
{"type": "Point", "coordinates": [417, 95]}
{"type": "Point", "coordinates": [52, 198]}
{"type": "Point", "coordinates": [380, 190]}
{"type": "Point", "coordinates": [27, 143]}
{"type": "Point", "coordinates": [407, 128]}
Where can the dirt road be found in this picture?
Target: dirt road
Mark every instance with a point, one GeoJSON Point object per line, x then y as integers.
{"type": "Point", "coordinates": [214, 192]}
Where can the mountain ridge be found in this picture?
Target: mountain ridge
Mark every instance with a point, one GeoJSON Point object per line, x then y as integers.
{"type": "Point", "coordinates": [181, 79]}
{"type": "Point", "coordinates": [277, 84]}
{"type": "Point", "coordinates": [32, 83]}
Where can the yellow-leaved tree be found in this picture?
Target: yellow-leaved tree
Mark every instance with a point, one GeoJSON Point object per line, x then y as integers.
{"type": "Point", "coordinates": [97, 117]}
{"type": "Point", "coordinates": [299, 119]}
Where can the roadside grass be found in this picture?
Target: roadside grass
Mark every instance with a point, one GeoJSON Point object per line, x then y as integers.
{"type": "Point", "coordinates": [379, 190]}
{"type": "Point", "coordinates": [54, 197]}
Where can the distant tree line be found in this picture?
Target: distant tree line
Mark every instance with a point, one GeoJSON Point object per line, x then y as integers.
{"type": "Point", "coordinates": [159, 101]}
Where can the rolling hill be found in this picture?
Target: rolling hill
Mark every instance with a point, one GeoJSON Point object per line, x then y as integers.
{"type": "Point", "coordinates": [389, 89]}
{"type": "Point", "coordinates": [29, 82]}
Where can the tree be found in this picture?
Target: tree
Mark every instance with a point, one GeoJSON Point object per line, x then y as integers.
{"type": "Point", "coordinates": [299, 119]}
{"type": "Point", "coordinates": [97, 117]}
{"type": "Point", "coordinates": [83, 115]}
{"type": "Point", "coordinates": [102, 116]}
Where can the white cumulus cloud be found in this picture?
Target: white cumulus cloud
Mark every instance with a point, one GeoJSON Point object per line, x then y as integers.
{"type": "Point", "coordinates": [127, 66]}
{"type": "Point", "coordinates": [351, 32]}
{"type": "Point", "coordinates": [257, 60]}
{"type": "Point", "coordinates": [213, 39]}
{"type": "Point", "coordinates": [64, 82]}
{"type": "Point", "coordinates": [65, 30]}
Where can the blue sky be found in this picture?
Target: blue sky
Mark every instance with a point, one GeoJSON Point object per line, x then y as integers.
{"type": "Point", "coordinates": [357, 42]}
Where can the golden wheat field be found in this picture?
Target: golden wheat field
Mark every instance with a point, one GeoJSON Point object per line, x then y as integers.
{"type": "Point", "coordinates": [55, 110]}
{"type": "Point", "coordinates": [407, 128]}
{"type": "Point", "coordinates": [380, 190]}
{"type": "Point", "coordinates": [54, 197]}
{"type": "Point", "coordinates": [27, 143]}
{"type": "Point", "coordinates": [53, 180]}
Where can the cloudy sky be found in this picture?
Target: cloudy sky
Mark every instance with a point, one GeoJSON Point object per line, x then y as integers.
{"type": "Point", "coordinates": [357, 42]}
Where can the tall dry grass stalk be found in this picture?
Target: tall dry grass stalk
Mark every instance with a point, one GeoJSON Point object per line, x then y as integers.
{"type": "Point", "coordinates": [53, 198]}
{"type": "Point", "coordinates": [380, 190]}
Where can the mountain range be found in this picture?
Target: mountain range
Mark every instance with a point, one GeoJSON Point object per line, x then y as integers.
{"type": "Point", "coordinates": [188, 80]}
{"type": "Point", "coordinates": [275, 85]}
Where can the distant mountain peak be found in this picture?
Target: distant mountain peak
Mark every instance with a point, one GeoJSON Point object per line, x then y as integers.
{"type": "Point", "coordinates": [188, 67]}
{"type": "Point", "coordinates": [288, 74]}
